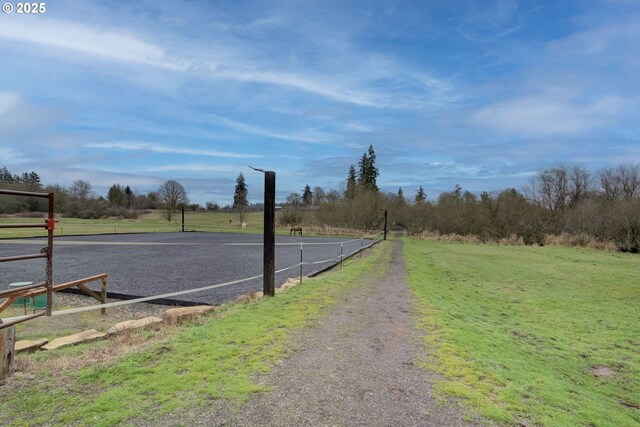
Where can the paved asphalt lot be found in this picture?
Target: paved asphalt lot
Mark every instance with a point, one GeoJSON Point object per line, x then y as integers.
{"type": "Point", "coordinates": [157, 263]}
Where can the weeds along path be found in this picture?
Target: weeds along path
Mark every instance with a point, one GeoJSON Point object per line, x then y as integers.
{"type": "Point", "coordinates": [357, 368]}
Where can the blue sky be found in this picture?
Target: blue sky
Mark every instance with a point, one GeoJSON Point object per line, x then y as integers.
{"type": "Point", "coordinates": [476, 93]}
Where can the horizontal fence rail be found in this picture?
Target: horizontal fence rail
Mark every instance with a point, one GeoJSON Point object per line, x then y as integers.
{"type": "Point", "coordinates": [25, 193]}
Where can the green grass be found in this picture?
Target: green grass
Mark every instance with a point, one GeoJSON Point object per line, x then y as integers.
{"type": "Point", "coordinates": [218, 358]}
{"type": "Point", "coordinates": [516, 330]}
{"type": "Point", "coordinates": [151, 222]}
{"type": "Point", "coordinates": [223, 222]}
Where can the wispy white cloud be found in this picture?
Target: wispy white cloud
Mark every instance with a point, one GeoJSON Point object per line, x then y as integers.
{"type": "Point", "coordinates": [354, 84]}
{"type": "Point", "coordinates": [550, 115]}
{"type": "Point", "coordinates": [309, 135]}
{"type": "Point", "coordinates": [8, 102]}
{"type": "Point", "coordinates": [95, 41]}
{"type": "Point", "coordinates": [165, 149]}
{"type": "Point", "coordinates": [603, 39]}
{"type": "Point", "coordinates": [194, 167]}
{"type": "Point", "coordinates": [301, 82]}
{"type": "Point", "coordinates": [490, 21]}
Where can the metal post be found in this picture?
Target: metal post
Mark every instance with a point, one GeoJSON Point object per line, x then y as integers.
{"type": "Point", "coordinates": [49, 268]}
{"type": "Point", "coordinates": [301, 263]}
{"type": "Point", "coordinates": [361, 247]}
{"type": "Point", "coordinates": [269, 259]}
{"type": "Point", "coordinates": [183, 219]}
{"type": "Point", "coordinates": [385, 224]}
{"type": "Point", "coordinates": [341, 252]}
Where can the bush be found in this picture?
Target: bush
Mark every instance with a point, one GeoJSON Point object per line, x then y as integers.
{"type": "Point", "coordinates": [291, 215]}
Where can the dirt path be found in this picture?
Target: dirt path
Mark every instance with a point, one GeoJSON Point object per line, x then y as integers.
{"type": "Point", "coordinates": [358, 368]}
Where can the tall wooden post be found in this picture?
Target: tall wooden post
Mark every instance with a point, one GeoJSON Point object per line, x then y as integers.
{"type": "Point", "coordinates": [269, 275]}
{"type": "Point", "coordinates": [385, 224]}
{"type": "Point", "coordinates": [183, 219]}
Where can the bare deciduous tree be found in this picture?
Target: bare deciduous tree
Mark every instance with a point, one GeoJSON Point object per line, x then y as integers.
{"type": "Point", "coordinates": [172, 196]}
{"type": "Point", "coordinates": [81, 189]}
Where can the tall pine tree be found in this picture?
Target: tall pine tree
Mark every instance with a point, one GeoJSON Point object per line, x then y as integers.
{"type": "Point", "coordinates": [307, 196]}
{"type": "Point", "coordinates": [352, 184]}
{"type": "Point", "coordinates": [240, 197]}
{"type": "Point", "coordinates": [367, 170]}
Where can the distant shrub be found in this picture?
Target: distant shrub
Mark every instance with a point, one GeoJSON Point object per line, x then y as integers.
{"type": "Point", "coordinates": [88, 214]}
{"type": "Point", "coordinates": [291, 215]}
{"type": "Point", "coordinates": [32, 215]}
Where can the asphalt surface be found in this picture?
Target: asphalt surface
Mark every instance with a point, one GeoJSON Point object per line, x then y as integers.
{"type": "Point", "coordinates": [156, 263]}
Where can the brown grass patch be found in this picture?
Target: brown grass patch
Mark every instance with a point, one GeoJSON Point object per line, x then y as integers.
{"type": "Point", "coordinates": [324, 230]}
{"type": "Point", "coordinates": [580, 240]}
{"type": "Point", "coordinates": [602, 371]}
{"type": "Point", "coordinates": [113, 348]}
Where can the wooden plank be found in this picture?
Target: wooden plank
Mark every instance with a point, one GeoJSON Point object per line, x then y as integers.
{"type": "Point", "coordinates": [6, 303]}
{"type": "Point", "coordinates": [89, 292]}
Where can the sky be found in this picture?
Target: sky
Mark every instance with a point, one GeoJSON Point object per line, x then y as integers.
{"type": "Point", "coordinates": [476, 93]}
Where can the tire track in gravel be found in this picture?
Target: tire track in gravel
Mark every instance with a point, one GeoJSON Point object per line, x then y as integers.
{"type": "Point", "coordinates": [357, 368]}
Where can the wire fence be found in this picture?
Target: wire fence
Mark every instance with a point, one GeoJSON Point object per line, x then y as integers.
{"type": "Point", "coordinates": [338, 260]}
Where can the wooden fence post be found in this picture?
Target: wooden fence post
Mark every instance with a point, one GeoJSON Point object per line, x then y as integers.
{"type": "Point", "coordinates": [7, 351]}
{"type": "Point", "coordinates": [103, 294]}
{"type": "Point", "coordinates": [269, 253]}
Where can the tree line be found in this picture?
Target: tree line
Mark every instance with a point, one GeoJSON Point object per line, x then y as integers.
{"type": "Point", "coordinates": [601, 206]}
{"type": "Point", "coordinates": [564, 200]}
{"type": "Point", "coordinates": [80, 201]}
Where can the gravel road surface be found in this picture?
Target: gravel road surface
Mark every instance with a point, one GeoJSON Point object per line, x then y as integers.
{"type": "Point", "coordinates": [156, 263]}
{"type": "Point", "coordinates": [357, 369]}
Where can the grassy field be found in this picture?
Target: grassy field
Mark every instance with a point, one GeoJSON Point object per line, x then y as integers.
{"type": "Point", "coordinates": [227, 222]}
{"type": "Point", "coordinates": [151, 222]}
{"type": "Point", "coordinates": [518, 331]}
{"type": "Point", "coordinates": [137, 377]}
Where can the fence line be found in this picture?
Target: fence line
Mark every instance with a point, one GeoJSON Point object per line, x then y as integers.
{"type": "Point", "coordinates": [193, 290]}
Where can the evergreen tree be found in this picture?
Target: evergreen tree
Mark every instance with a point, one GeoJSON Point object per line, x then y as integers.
{"type": "Point", "coordinates": [307, 196]}
{"type": "Point", "coordinates": [372, 171]}
{"type": "Point", "coordinates": [367, 170]}
{"type": "Point", "coordinates": [363, 168]}
{"type": "Point", "coordinates": [115, 195]}
{"type": "Point", "coordinates": [33, 181]}
{"type": "Point", "coordinates": [400, 196]}
{"type": "Point", "coordinates": [458, 191]}
{"type": "Point", "coordinates": [5, 176]}
{"type": "Point", "coordinates": [240, 197]}
{"type": "Point", "coordinates": [128, 194]}
{"type": "Point", "coordinates": [352, 184]}
{"type": "Point", "coordinates": [421, 196]}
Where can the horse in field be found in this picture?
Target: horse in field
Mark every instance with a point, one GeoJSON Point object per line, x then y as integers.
{"type": "Point", "coordinates": [295, 230]}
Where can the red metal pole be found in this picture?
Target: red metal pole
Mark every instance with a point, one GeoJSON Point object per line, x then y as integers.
{"type": "Point", "coordinates": [49, 267]}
